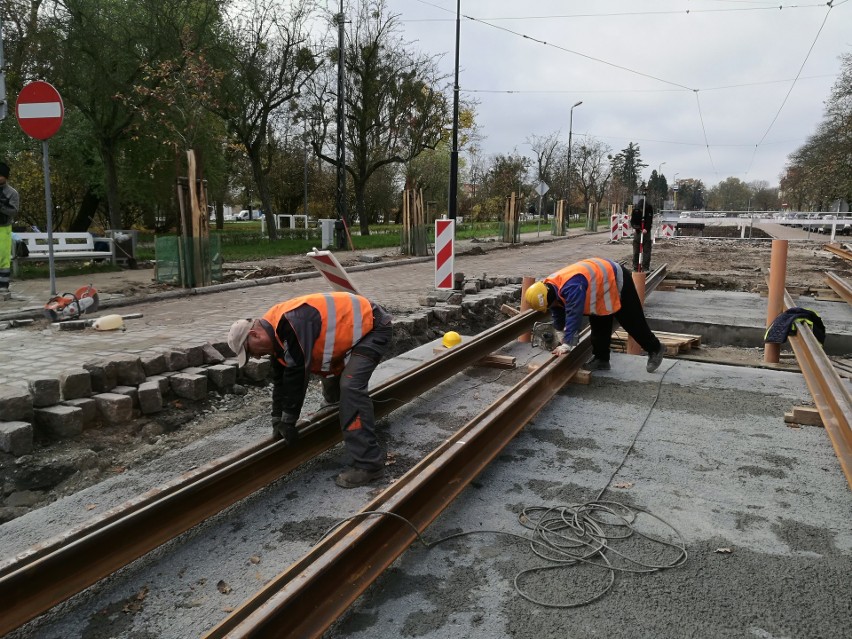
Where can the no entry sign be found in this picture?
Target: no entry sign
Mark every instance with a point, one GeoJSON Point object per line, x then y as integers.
{"type": "Point", "coordinates": [39, 110]}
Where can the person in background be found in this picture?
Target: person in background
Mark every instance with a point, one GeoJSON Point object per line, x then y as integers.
{"type": "Point", "coordinates": [10, 203]}
{"type": "Point", "coordinates": [338, 336]}
{"type": "Point", "coordinates": [642, 221]}
{"type": "Point", "coordinates": [603, 290]}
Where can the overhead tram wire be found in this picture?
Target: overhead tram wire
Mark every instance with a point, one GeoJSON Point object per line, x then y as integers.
{"type": "Point", "coordinates": [790, 90]}
{"type": "Point", "coordinates": [830, 4]}
{"type": "Point", "coordinates": [772, 7]}
{"type": "Point", "coordinates": [704, 130]}
{"type": "Point", "coordinates": [743, 85]}
{"type": "Point", "coordinates": [601, 61]}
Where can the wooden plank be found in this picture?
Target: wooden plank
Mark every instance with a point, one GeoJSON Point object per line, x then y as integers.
{"type": "Point", "coordinates": [497, 361]}
{"type": "Point", "coordinates": [674, 343]}
{"type": "Point", "coordinates": [582, 376]}
{"type": "Point", "coordinates": [807, 415]}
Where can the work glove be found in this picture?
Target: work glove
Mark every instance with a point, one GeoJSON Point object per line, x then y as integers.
{"type": "Point", "coordinates": [562, 349]}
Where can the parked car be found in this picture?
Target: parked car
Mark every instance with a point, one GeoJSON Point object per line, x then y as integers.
{"type": "Point", "coordinates": [245, 215]}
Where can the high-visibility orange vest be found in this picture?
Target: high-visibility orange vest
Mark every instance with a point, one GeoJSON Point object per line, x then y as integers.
{"type": "Point", "coordinates": [346, 318]}
{"type": "Point", "coordinates": [603, 296]}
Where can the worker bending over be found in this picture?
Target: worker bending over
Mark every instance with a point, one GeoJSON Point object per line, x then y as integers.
{"type": "Point", "coordinates": [338, 336]}
{"type": "Point", "coordinates": [601, 289]}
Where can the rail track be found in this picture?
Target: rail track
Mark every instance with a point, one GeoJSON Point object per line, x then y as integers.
{"type": "Point", "coordinates": [51, 572]}
{"type": "Point", "coordinates": [47, 574]}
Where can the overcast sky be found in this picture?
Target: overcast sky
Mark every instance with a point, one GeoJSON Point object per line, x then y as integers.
{"type": "Point", "coordinates": [698, 84]}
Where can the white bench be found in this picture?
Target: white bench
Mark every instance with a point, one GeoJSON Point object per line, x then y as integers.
{"type": "Point", "coordinates": [66, 246]}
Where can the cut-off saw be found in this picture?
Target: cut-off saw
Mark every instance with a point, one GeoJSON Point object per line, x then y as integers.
{"type": "Point", "coordinates": [70, 306]}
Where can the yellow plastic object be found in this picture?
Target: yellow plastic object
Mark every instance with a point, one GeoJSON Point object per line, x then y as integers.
{"type": "Point", "coordinates": [537, 296]}
{"type": "Point", "coordinates": [108, 323]}
{"type": "Point", "coordinates": [451, 338]}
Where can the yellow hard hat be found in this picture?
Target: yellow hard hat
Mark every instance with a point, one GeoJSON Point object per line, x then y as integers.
{"type": "Point", "coordinates": [451, 338]}
{"type": "Point", "coordinates": [537, 296]}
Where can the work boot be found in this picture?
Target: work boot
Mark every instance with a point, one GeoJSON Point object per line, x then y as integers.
{"type": "Point", "coordinates": [354, 477]}
{"type": "Point", "coordinates": [655, 359]}
{"type": "Point", "coordinates": [597, 364]}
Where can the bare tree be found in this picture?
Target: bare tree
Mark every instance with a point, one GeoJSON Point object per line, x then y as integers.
{"type": "Point", "coordinates": [268, 59]}
{"type": "Point", "coordinates": [545, 148]}
{"type": "Point", "coordinates": [594, 167]}
{"type": "Point", "coordinates": [395, 104]}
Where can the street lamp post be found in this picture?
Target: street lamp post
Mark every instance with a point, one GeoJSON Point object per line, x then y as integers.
{"type": "Point", "coordinates": [674, 179]}
{"type": "Point", "coordinates": [568, 180]}
{"type": "Point", "coordinates": [659, 174]}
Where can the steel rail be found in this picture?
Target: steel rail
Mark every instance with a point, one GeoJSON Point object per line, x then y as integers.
{"type": "Point", "coordinates": [314, 591]}
{"type": "Point", "coordinates": [52, 571]}
{"type": "Point", "coordinates": [839, 250]}
{"type": "Point", "coordinates": [839, 286]}
{"type": "Point", "coordinates": [831, 396]}
{"type": "Point", "coordinates": [40, 578]}
{"type": "Point", "coordinates": [306, 599]}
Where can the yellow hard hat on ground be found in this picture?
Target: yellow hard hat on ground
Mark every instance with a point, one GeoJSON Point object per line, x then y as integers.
{"type": "Point", "coordinates": [537, 296]}
{"type": "Point", "coordinates": [451, 338]}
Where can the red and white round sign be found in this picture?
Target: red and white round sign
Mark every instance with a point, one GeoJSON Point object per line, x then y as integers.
{"type": "Point", "coordinates": [39, 110]}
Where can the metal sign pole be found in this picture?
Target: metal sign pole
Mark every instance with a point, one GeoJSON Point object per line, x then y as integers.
{"type": "Point", "coordinates": [49, 206]}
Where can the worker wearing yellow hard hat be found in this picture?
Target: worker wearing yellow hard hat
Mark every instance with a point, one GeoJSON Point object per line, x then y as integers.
{"type": "Point", "coordinates": [602, 290]}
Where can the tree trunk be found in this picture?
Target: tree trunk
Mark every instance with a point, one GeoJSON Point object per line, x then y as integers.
{"type": "Point", "coordinates": [108, 156]}
{"type": "Point", "coordinates": [361, 207]}
{"type": "Point", "coordinates": [263, 187]}
{"type": "Point", "coordinates": [86, 213]}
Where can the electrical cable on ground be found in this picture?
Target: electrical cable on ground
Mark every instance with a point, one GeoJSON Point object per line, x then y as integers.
{"type": "Point", "coordinates": [577, 534]}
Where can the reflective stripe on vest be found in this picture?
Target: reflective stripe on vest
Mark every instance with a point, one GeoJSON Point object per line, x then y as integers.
{"type": "Point", "coordinates": [605, 280]}
{"type": "Point", "coordinates": [345, 317]}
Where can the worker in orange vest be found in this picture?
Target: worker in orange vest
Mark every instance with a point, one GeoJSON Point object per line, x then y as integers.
{"type": "Point", "coordinates": [601, 289]}
{"type": "Point", "coordinates": [339, 336]}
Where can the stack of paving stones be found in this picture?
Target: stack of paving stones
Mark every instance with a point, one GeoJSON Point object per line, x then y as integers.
{"type": "Point", "coordinates": [117, 390]}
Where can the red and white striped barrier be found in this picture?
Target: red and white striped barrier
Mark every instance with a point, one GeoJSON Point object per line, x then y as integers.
{"type": "Point", "coordinates": [667, 230]}
{"type": "Point", "coordinates": [625, 225]}
{"type": "Point", "coordinates": [332, 271]}
{"type": "Point", "coordinates": [614, 227]}
{"type": "Point", "coordinates": [445, 231]}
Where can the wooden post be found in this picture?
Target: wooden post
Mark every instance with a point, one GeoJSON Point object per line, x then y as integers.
{"type": "Point", "coordinates": [775, 301]}
{"type": "Point", "coordinates": [559, 220]}
{"type": "Point", "coordinates": [525, 284]}
{"type": "Point", "coordinates": [639, 282]}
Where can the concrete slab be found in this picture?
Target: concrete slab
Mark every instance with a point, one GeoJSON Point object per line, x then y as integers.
{"type": "Point", "coordinates": [703, 446]}
{"type": "Point", "coordinates": [732, 318]}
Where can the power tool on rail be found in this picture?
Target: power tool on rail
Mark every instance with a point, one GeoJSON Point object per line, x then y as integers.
{"type": "Point", "coordinates": [70, 306]}
{"type": "Point", "coordinates": [544, 336]}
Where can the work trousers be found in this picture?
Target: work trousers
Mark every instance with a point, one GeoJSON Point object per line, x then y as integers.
{"type": "Point", "coordinates": [646, 250]}
{"type": "Point", "coordinates": [357, 418]}
{"type": "Point", "coordinates": [5, 256]}
{"type": "Point", "coordinates": [630, 316]}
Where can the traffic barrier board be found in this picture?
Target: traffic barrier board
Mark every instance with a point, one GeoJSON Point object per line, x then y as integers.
{"type": "Point", "coordinates": [445, 231]}
{"type": "Point", "coordinates": [332, 271]}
